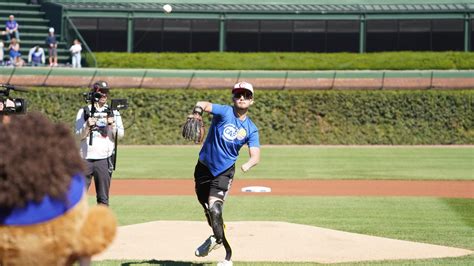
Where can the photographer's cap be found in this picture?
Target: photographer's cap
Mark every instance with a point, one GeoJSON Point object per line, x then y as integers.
{"type": "Point", "coordinates": [51, 30]}
{"type": "Point", "coordinates": [242, 86]}
{"type": "Point", "coordinates": [101, 86]}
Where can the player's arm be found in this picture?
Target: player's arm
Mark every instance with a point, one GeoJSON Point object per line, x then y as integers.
{"type": "Point", "coordinates": [254, 159]}
{"type": "Point", "coordinates": [206, 106]}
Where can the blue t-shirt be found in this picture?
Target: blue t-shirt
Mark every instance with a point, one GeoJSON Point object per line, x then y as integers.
{"type": "Point", "coordinates": [11, 24]}
{"type": "Point", "coordinates": [36, 57]}
{"type": "Point", "coordinates": [226, 136]}
{"type": "Point", "coordinates": [51, 39]}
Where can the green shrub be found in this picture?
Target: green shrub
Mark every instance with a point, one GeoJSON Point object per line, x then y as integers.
{"type": "Point", "coordinates": [291, 117]}
{"type": "Point", "coordinates": [289, 61]}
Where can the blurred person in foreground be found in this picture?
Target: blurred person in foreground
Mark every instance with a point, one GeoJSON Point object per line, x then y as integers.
{"type": "Point", "coordinates": [44, 214]}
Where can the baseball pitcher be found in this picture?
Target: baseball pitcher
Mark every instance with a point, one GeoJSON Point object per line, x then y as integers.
{"type": "Point", "coordinates": [230, 129]}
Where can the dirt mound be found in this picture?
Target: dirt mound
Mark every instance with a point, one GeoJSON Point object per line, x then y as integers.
{"type": "Point", "coordinates": [264, 241]}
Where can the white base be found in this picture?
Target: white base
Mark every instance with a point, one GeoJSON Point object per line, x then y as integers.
{"type": "Point", "coordinates": [256, 189]}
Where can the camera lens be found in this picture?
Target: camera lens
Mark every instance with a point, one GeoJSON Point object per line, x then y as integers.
{"type": "Point", "coordinates": [97, 96]}
{"type": "Point", "coordinates": [20, 106]}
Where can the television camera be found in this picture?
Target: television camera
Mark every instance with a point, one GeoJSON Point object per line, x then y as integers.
{"type": "Point", "coordinates": [11, 105]}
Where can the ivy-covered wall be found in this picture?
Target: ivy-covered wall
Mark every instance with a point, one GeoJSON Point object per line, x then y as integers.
{"type": "Point", "coordinates": [289, 117]}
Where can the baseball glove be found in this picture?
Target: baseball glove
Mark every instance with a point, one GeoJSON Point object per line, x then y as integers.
{"type": "Point", "coordinates": [193, 129]}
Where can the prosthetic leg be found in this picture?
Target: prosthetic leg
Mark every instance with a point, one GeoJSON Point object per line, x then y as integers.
{"type": "Point", "coordinates": [217, 224]}
{"type": "Point", "coordinates": [211, 242]}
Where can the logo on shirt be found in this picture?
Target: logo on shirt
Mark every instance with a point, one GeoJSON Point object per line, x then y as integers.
{"type": "Point", "coordinates": [241, 134]}
{"type": "Point", "coordinates": [230, 132]}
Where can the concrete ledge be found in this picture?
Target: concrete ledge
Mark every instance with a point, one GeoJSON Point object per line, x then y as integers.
{"type": "Point", "coordinates": [453, 80]}
{"type": "Point", "coordinates": [403, 80]}
{"type": "Point", "coordinates": [264, 79]}
{"type": "Point", "coordinates": [202, 79]}
{"type": "Point", "coordinates": [453, 83]}
{"type": "Point", "coordinates": [213, 79]}
{"type": "Point", "coordinates": [69, 76]}
{"type": "Point", "coordinates": [319, 80]}
{"type": "Point", "coordinates": [26, 76]}
{"type": "Point", "coordinates": [358, 80]}
{"type": "Point", "coordinates": [406, 83]}
{"type": "Point", "coordinates": [121, 78]}
{"type": "Point", "coordinates": [163, 79]}
{"type": "Point", "coordinates": [5, 74]}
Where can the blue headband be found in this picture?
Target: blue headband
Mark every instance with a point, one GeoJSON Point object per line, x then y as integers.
{"type": "Point", "coordinates": [47, 209]}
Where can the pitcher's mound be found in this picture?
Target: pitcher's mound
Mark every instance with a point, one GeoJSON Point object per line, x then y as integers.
{"type": "Point", "coordinates": [264, 241]}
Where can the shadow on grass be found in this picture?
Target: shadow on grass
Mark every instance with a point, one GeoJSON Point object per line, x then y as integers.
{"type": "Point", "coordinates": [164, 263]}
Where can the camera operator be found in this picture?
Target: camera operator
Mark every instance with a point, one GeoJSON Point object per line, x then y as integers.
{"type": "Point", "coordinates": [97, 126]}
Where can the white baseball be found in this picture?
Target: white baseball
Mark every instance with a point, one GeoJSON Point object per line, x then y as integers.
{"type": "Point", "coordinates": [167, 8]}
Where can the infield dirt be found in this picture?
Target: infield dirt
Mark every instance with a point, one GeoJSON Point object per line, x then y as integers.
{"type": "Point", "coordinates": [450, 189]}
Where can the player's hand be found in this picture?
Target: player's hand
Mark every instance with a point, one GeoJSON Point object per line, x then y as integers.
{"type": "Point", "coordinates": [245, 167]}
{"type": "Point", "coordinates": [91, 121]}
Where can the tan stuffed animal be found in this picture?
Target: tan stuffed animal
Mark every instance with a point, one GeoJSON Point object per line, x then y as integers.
{"type": "Point", "coordinates": [44, 215]}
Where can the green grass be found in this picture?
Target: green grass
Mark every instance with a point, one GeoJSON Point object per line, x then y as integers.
{"type": "Point", "coordinates": [309, 162]}
{"type": "Point", "coordinates": [439, 221]}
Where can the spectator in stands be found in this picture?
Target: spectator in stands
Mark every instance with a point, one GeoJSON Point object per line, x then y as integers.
{"type": "Point", "coordinates": [11, 28]}
{"type": "Point", "coordinates": [36, 56]}
{"type": "Point", "coordinates": [1, 53]}
{"type": "Point", "coordinates": [14, 53]}
{"type": "Point", "coordinates": [75, 50]}
{"type": "Point", "coordinates": [52, 44]}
